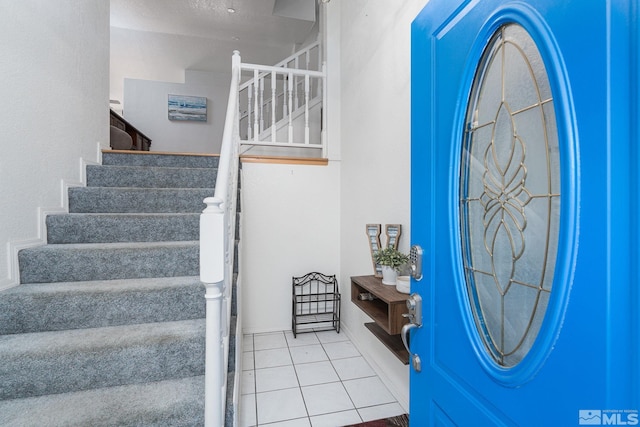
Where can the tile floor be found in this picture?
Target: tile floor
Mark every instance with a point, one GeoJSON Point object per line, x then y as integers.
{"type": "Point", "coordinates": [318, 379]}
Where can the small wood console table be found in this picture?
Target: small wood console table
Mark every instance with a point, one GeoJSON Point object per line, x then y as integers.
{"type": "Point", "coordinates": [385, 309]}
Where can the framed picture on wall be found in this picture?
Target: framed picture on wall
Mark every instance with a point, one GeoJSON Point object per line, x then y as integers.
{"type": "Point", "coordinates": [187, 108]}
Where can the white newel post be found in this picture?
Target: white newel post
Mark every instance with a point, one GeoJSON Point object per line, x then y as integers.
{"type": "Point", "coordinates": [212, 255]}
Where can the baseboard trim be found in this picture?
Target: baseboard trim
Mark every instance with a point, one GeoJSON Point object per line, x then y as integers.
{"type": "Point", "coordinates": [14, 246]}
{"type": "Point", "coordinates": [14, 268]}
{"type": "Point", "coordinates": [284, 160]}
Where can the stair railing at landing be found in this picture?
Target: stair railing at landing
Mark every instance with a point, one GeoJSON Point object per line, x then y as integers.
{"type": "Point", "coordinates": [301, 90]}
{"type": "Point", "coordinates": [217, 244]}
{"type": "Point", "coordinates": [282, 105]}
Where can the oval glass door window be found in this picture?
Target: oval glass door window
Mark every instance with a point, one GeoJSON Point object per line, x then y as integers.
{"type": "Point", "coordinates": [510, 195]}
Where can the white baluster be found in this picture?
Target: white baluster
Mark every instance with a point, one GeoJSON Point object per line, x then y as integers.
{"type": "Point", "coordinates": [273, 107]}
{"type": "Point", "coordinates": [306, 109]}
{"type": "Point", "coordinates": [295, 94]}
{"type": "Point", "coordinates": [290, 139]}
{"type": "Point", "coordinates": [285, 104]}
{"type": "Point", "coordinates": [321, 80]}
{"type": "Point", "coordinates": [256, 129]}
{"type": "Point", "coordinates": [238, 114]}
{"type": "Point", "coordinates": [323, 125]}
{"type": "Point", "coordinates": [249, 105]}
{"type": "Point", "coordinates": [262, 105]}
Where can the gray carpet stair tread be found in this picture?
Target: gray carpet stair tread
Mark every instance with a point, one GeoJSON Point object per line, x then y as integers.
{"type": "Point", "coordinates": [107, 327]}
{"type": "Point", "coordinates": [160, 160]}
{"type": "Point", "coordinates": [170, 403]}
{"type": "Point", "coordinates": [122, 227]}
{"type": "Point", "coordinates": [41, 307]}
{"type": "Point", "coordinates": [43, 363]}
{"type": "Point", "coordinates": [150, 177]}
{"type": "Point", "coordinates": [108, 261]}
{"type": "Point", "coordinates": [130, 200]}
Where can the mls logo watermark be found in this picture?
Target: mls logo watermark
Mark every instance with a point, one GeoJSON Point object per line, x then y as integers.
{"type": "Point", "coordinates": [590, 417]}
{"type": "Point", "coordinates": [608, 417]}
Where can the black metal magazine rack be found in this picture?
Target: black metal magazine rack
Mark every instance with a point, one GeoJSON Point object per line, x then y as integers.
{"type": "Point", "coordinates": [315, 303]}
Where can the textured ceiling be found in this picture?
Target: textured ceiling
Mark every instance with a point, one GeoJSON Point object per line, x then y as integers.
{"type": "Point", "coordinates": [160, 39]}
{"type": "Point", "coordinates": [253, 22]}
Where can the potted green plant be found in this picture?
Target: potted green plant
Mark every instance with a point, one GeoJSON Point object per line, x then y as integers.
{"type": "Point", "coordinates": [390, 259]}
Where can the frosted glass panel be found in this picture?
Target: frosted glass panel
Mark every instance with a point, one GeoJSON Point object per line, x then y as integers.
{"type": "Point", "coordinates": [510, 195]}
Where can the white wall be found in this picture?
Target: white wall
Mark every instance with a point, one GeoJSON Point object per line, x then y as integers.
{"type": "Point", "coordinates": [161, 56]}
{"type": "Point", "coordinates": [54, 109]}
{"type": "Point", "coordinates": [367, 180]}
{"type": "Point", "coordinates": [374, 47]}
{"type": "Point", "coordinates": [290, 217]}
{"type": "Point", "coordinates": [145, 107]}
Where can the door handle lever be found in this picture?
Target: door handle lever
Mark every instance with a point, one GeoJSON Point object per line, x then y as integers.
{"type": "Point", "coordinates": [406, 329]}
{"type": "Point", "coordinates": [415, 359]}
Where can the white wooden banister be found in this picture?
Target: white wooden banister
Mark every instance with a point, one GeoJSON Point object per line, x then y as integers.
{"type": "Point", "coordinates": [217, 239]}
{"type": "Point", "coordinates": [302, 94]}
{"type": "Point", "coordinates": [287, 114]}
{"type": "Point", "coordinates": [284, 64]}
{"type": "Point", "coordinates": [218, 220]}
{"type": "Point", "coordinates": [271, 69]}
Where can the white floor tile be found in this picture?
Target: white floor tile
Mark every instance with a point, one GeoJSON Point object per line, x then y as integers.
{"type": "Point", "coordinates": [331, 336]}
{"type": "Point", "coordinates": [247, 342]}
{"type": "Point", "coordinates": [277, 378]}
{"type": "Point", "coordinates": [269, 341]}
{"type": "Point", "coordinates": [299, 422]}
{"type": "Point", "coordinates": [247, 361]}
{"type": "Point", "coordinates": [379, 412]}
{"type": "Point", "coordinates": [352, 367]}
{"type": "Point", "coordinates": [247, 415]}
{"type": "Point", "coordinates": [248, 382]}
{"type": "Point", "coordinates": [326, 398]}
{"type": "Point", "coordinates": [308, 354]}
{"type": "Point", "coordinates": [340, 350]}
{"type": "Point", "coordinates": [271, 358]}
{"type": "Point", "coordinates": [368, 392]}
{"type": "Point", "coordinates": [336, 419]}
{"type": "Point", "coordinates": [317, 379]}
{"type": "Point", "coordinates": [306, 338]}
{"type": "Point", "coordinates": [280, 405]}
{"type": "Point", "coordinates": [316, 373]}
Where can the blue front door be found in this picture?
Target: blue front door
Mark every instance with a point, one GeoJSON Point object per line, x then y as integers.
{"type": "Point", "coordinates": [525, 202]}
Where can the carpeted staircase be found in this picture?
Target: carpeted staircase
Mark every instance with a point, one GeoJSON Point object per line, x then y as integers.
{"type": "Point", "coordinates": [107, 327]}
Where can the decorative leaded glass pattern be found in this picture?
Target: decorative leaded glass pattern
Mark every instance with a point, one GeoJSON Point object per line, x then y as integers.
{"type": "Point", "coordinates": [510, 195]}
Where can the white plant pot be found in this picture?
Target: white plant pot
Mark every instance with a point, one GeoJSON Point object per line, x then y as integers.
{"type": "Point", "coordinates": [403, 284]}
{"type": "Point", "coordinates": [389, 275]}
